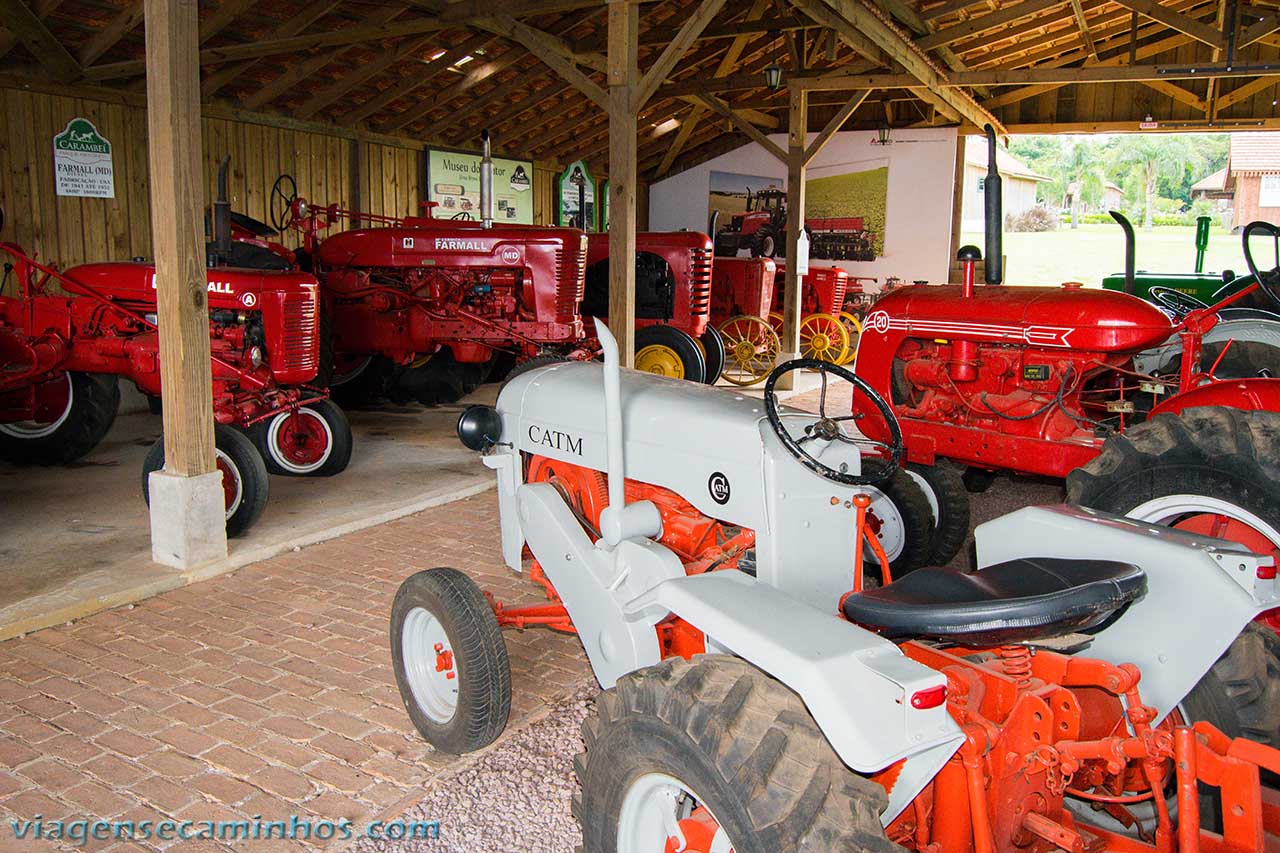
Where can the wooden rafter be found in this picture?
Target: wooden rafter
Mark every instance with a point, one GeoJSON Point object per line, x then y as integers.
{"type": "Point", "coordinates": [227, 13]}
{"type": "Point", "coordinates": [313, 12]}
{"type": "Point", "coordinates": [715, 104]}
{"type": "Point", "coordinates": [35, 36]}
{"type": "Point", "coordinates": [1078, 10]}
{"type": "Point", "coordinates": [326, 95]}
{"type": "Point", "coordinates": [986, 23]}
{"type": "Point", "coordinates": [107, 37]}
{"type": "Point", "coordinates": [657, 73]}
{"type": "Point", "coordinates": [412, 82]}
{"type": "Point", "coordinates": [553, 52]}
{"type": "Point", "coordinates": [513, 112]}
{"type": "Point", "coordinates": [1174, 20]}
{"type": "Point", "coordinates": [42, 9]}
{"type": "Point", "coordinates": [833, 126]}
{"type": "Point", "coordinates": [483, 71]}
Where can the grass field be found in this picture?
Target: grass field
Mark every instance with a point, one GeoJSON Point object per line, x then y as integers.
{"type": "Point", "coordinates": [1091, 252]}
{"type": "Point", "coordinates": [855, 194]}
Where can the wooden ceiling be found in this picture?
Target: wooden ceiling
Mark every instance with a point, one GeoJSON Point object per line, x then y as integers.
{"type": "Point", "coordinates": [440, 71]}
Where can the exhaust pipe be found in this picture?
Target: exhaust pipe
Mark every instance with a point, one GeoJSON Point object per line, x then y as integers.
{"type": "Point", "coordinates": [222, 214]}
{"type": "Point", "coordinates": [1202, 240]}
{"type": "Point", "coordinates": [486, 182]}
{"type": "Point", "coordinates": [994, 213]}
{"type": "Point", "coordinates": [1130, 241]}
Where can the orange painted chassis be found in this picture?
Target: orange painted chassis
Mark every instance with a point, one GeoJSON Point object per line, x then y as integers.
{"type": "Point", "coordinates": [1039, 725]}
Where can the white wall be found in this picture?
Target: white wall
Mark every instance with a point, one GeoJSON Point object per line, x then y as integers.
{"type": "Point", "coordinates": [917, 241]}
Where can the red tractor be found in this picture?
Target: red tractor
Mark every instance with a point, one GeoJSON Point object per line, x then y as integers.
{"type": "Point", "coordinates": [1052, 381]}
{"type": "Point", "coordinates": [422, 308]}
{"type": "Point", "coordinates": [763, 228]}
{"type": "Point", "coordinates": [62, 355]}
{"type": "Point", "coordinates": [674, 336]}
{"type": "Point", "coordinates": [827, 331]}
{"type": "Point", "coordinates": [741, 299]}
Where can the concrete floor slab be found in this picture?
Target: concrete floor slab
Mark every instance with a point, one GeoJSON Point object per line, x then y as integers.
{"type": "Point", "coordinates": [75, 539]}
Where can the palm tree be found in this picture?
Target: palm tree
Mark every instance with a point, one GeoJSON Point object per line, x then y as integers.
{"type": "Point", "coordinates": [1082, 176]}
{"type": "Point", "coordinates": [1150, 157]}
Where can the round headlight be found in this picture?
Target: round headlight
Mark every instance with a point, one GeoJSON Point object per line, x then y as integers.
{"type": "Point", "coordinates": [255, 356]}
{"type": "Point", "coordinates": [479, 427]}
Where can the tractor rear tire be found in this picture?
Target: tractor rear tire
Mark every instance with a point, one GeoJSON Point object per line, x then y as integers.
{"type": "Point", "coordinates": [715, 355]}
{"type": "Point", "coordinates": [670, 352]}
{"type": "Point", "coordinates": [1241, 693]}
{"type": "Point", "coordinates": [949, 501]}
{"type": "Point", "coordinates": [1210, 460]}
{"type": "Point", "coordinates": [92, 402]}
{"type": "Point", "coordinates": [914, 522]}
{"type": "Point", "coordinates": [363, 387]}
{"type": "Point", "coordinates": [237, 458]}
{"type": "Point", "coordinates": [324, 421]}
{"type": "Point", "coordinates": [439, 382]}
{"type": "Point", "coordinates": [735, 740]}
{"type": "Point", "coordinates": [444, 607]}
{"type": "Point", "coordinates": [532, 364]}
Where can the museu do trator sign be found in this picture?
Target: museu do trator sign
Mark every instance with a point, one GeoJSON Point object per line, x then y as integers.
{"type": "Point", "coordinates": [82, 161]}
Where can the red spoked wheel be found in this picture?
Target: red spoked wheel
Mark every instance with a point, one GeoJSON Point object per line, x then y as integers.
{"type": "Point", "coordinates": [585, 490]}
{"type": "Point", "coordinates": [312, 441]}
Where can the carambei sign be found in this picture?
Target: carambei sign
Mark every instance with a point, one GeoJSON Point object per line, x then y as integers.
{"type": "Point", "coordinates": [82, 161]}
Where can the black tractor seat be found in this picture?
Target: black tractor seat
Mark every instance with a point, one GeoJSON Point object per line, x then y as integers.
{"type": "Point", "coordinates": [1018, 601]}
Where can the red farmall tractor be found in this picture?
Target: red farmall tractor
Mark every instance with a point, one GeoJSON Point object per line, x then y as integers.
{"type": "Point", "coordinates": [1054, 381]}
{"type": "Point", "coordinates": [763, 229]}
{"type": "Point", "coordinates": [741, 299]}
{"type": "Point", "coordinates": [63, 352]}
{"type": "Point", "coordinates": [674, 336]}
{"type": "Point", "coordinates": [422, 308]}
{"type": "Point", "coordinates": [827, 331]}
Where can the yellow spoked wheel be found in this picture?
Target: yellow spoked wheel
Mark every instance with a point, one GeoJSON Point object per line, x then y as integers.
{"type": "Point", "coordinates": [751, 349]}
{"type": "Point", "coordinates": [660, 359]}
{"type": "Point", "coordinates": [824, 337]}
{"type": "Point", "coordinates": [853, 326]}
{"type": "Point", "coordinates": [775, 322]}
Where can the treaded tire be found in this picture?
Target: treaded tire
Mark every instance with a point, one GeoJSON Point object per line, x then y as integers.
{"type": "Point", "coordinates": [439, 382]}
{"type": "Point", "coordinates": [684, 345]}
{"type": "Point", "coordinates": [713, 344]}
{"type": "Point", "coordinates": [532, 364]}
{"type": "Point", "coordinates": [911, 502]}
{"type": "Point", "coordinates": [952, 522]}
{"type": "Point", "coordinates": [243, 456]}
{"type": "Point", "coordinates": [1212, 451]}
{"type": "Point", "coordinates": [339, 430]}
{"type": "Point", "coordinates": [95, 398]}
{"type": "Point", "coordinates": [479, 655]}
{"type": "Point", "coordinates": [365, 388]}
{"type": "Point", "coordinates": [1241, 693]}
{"type": "Point", "coordinates": [743, 742]}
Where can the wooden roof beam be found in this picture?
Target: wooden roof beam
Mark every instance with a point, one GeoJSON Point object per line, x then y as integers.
{"type": "Point", "coordinates": [395, 92]}
{"type": "Point", "coordinates": [1077, 9]}
{"type": "Point", "coordinates": [39, 42]}
{"type": "Point", "coordinates": [223, 17]}
{"type": "Point", "coordinates": [671, 54]}
{"type": "Point", "coordinates": [754, 133]}
{"type": "Point", "coordinates": [1245, 92]}
{"type": "Point", "coordinates": [311, 13]}
{"type": "Point", "coordinates": [109, 36]}
{"type": "Point", "coordinates": [513, 112]}
{"type": "Point", "coordinates": [1175, 20]}
{"type": "Point", "coordinates": [474, 77]}
{"type": "Point", "coordinates": [42, 10]}
{"type": "Point", "coordinates": [554, 53]}
{"type": "Point", "coordinates": [326, 95]}
{"type": "Point", "coordinates": [1178, 93]}
{"type": "Point", "coordinates": [1259, 30]}
{"type": "Point", "coordinates": [985, 23]}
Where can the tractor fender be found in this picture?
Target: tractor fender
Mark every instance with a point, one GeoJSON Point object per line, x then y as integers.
{"type": "Point", "coordinates": [1247, 394]}
{"type": "Point", "coordinates": [1260, 330]}
{"type": "Point", "coordinates": [857, 685]}
{"type": "Point", "coordinates": [1201, 592]}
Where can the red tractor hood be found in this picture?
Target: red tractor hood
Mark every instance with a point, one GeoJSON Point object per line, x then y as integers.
{"type": "Point", "coordinates": [229, 287]}
{"type": "Point", "coordinates": [660, 243]}
{"type": "Point", "coordinates": [435, 242]}
{"type": "Point", "coordinates": [1067, 317]}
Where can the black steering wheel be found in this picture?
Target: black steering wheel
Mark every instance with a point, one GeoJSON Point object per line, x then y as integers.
{"type": "Point", "coordinates": [873, 470]}
{"type": "Point", "coordinates": [1269, 281]}
{"type": "Point", "coordinates": [284, 192]}
{"type": "Point", "coordinates": [1181, 304]}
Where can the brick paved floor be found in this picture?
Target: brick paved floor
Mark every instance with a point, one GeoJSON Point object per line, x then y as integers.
{"type": "Point", "coordinates": [265, 692]}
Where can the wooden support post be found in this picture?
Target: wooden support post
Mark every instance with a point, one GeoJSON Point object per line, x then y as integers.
{"type": "Point", "coordinates": [624, 84]}
{"type": "Point", "coordinates": [797, 135]}
{"type": "Point", "coordinates": [187, 501]}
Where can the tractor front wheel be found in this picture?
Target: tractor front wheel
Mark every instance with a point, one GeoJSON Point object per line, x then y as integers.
{"type": "Point", "coordinates": [244, 476]}
{"type": "Point", "coordinates": [752, 348]}
{"type": "Point", "coordinates": [314, 441]}
{"type": "Point", "coordinates": [450, 660]}
{"type": "Point", "coordinates": [901, 518]}
{"type": "Point", "coordinates": [949, 501]}
{"type": "Point", "coordinates": [75, 412]}
{"type": "Point", "coordinates": [668, 351]}
{"type": "Point", "coordinates": [824, 337]}
{"type": "Point", "coordinates": [1211, 470]}
{"type": "Point", "coordinates": [718, 752]}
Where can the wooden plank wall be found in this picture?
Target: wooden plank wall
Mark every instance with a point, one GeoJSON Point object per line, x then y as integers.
{"type": "Point", "coordinates": [69, 231]}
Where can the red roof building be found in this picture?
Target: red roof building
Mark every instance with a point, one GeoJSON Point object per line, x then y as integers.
{"type": "Point", "coordinates": [1253, 172]}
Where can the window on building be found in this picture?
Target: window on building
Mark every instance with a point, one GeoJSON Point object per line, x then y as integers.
{"type": "Point", "coordinates": [1269, 191]}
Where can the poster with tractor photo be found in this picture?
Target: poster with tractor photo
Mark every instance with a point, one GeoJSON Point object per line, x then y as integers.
{"type": "Point", "coordinates": [845, 213]}
{"type": "Point", "coordinates": [845, 210]}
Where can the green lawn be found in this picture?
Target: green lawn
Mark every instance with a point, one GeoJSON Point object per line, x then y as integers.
{"type": "Point", "coordinates": [1092, 252]}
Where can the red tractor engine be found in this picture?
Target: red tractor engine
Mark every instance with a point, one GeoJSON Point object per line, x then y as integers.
{"type": "Point", "coordinates": [741, 300]}
{"type": "Point", "coordinates": [1025, 373]}
{"type": "Point", "coordinates": [673, 303]}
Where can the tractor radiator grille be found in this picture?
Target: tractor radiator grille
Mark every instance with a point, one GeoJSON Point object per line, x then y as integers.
{"type": "Point", "coordinates": [301, 334]}
{"type": "Point", "coordinates": [571, 270]}
{"type": "Point", "coordinates": [838, 286]}
{"type": "Point", "coordinates": [699, 282]}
